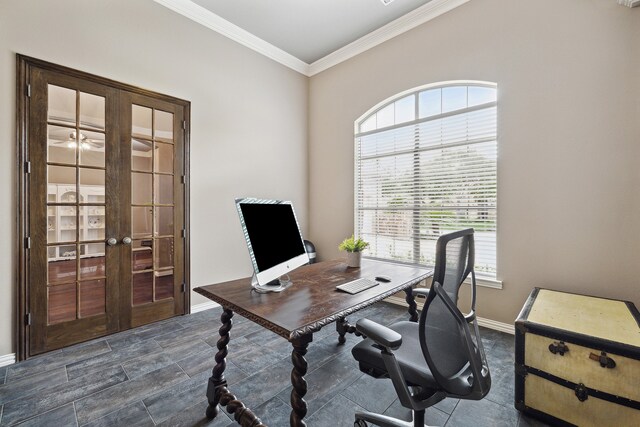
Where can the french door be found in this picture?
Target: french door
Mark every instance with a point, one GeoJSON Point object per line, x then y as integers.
{"type": "Point", "coordinates": [103, 207]}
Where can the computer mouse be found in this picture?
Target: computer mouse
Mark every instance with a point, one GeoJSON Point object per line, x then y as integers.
{"type": "Point", "coordinates": [385, 279]}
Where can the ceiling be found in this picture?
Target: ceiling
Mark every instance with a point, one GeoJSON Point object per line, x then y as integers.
{"type": "Point", "coordinates": [310, 36]}
{"type": "Point", "coordinates": [309, 29]}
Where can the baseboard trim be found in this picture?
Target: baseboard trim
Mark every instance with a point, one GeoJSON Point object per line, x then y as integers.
{"type": "Point", "coordinates": [7, 359]}
{"type": "Point", "coordinates": [204, 306]}
{"type": "Point", "coordinates": [487, 323]}
{"type": "Point", "coordinates": [497, 326]}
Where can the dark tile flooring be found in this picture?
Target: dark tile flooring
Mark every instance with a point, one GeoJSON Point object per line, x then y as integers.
{"type": "Point", "coordinates": [157, 375]}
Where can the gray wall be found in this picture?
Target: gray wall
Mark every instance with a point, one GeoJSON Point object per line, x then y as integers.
{"type": "Point", "coordinates": [249, 116]}
{"type": "Point", "coordinates": [568, 127]}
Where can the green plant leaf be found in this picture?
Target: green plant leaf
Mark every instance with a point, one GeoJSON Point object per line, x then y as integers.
{"type": "Point", "coordinates": [351, 244]}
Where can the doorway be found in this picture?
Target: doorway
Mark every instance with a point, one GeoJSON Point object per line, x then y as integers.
{"type": "Point", "coordinates": [103, 206]}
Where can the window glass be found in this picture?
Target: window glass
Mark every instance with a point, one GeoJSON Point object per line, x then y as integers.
{"type": "Point", "coordinates": [405, 109]}
{"type": "Point", "coordinates": [430, 103]}
{"type": "Point", "coordinates": [432, 176]}
{"type": "Point", "coordinates": [481, 95]}
{"type": "Point", "coordinates": [385, 117]}
{"type": "Point", "coordinates": [369, 124]}
{"type": "Point", "coordinates": [454, 98]}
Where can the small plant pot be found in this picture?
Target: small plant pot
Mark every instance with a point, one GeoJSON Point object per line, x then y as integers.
{"type": "Point", "coordinates": [353, 259]}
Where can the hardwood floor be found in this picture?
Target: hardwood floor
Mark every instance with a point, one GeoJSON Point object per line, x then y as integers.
{"type": "Point", "coordinates": [63, 292]}
{"type": "Point", "coordinates": [157, 375]}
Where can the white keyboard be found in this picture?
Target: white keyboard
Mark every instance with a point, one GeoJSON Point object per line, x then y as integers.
{"type": "Point", "coordinates": [357, 285]}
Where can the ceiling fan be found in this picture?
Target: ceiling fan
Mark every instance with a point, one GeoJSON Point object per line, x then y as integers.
{"type": "Point", "coordinates": [62, 137]}
{"type": "Point", "coordinates": [72, 141]}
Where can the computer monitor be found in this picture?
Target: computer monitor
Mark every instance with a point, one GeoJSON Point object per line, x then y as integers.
{"type": "Point", "coordinates": [273, 237]}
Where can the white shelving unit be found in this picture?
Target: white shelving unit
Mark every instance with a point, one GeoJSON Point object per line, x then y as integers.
{"type": "Point", "coordinates": [61, 220]}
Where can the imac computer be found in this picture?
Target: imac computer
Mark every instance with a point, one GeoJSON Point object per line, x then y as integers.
{"type": "Point", "coordinates": [274, 240]}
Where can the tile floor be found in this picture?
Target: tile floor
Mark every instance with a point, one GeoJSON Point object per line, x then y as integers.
{"type": "Point", "coordinates": [157, 375]}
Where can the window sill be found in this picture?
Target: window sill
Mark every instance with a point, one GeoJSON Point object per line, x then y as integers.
{"type": "Point", "coordinates": [486, 282]}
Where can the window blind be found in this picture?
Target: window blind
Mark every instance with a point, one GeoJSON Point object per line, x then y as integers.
{"type": "Point", "coordinates": [428, 168]}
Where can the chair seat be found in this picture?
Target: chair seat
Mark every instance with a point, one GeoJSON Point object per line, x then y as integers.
{"type": "Point", "coordinates": [409, 356]}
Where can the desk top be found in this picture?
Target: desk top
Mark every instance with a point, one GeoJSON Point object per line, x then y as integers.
{"type": "Point", "coordinates": [313, 300]}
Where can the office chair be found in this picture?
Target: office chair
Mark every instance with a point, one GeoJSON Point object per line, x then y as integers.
{"type": "Point", "coordinates": [441, 355]}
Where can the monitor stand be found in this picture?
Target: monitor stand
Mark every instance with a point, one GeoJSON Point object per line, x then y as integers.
{"type": "Point", "coordinates": [278, 285]}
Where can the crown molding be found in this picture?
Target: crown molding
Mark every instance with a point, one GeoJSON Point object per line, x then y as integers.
{"type": "Point", "coordinates": [214, 22]}
{"type": "Point", "coordinates": [419, 16]}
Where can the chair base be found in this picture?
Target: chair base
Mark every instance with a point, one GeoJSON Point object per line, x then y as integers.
{"type": "Point", "coordinates": [385, 421]}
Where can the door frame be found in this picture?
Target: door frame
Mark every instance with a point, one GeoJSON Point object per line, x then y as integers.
{"type": "Point", "coordinates": [24, 65]}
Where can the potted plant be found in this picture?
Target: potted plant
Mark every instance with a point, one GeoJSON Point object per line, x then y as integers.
{"type": "Point", "coordinates": [354, 248]}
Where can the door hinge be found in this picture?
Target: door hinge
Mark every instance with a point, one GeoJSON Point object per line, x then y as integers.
{"type": "Point", "coordinates": [27, 319]}
{"type": "Point", "coordinates": [183, 288]}
{"type": "Point", "coordinates": [184, 124]}
{"type": "Point", "coordinates": [183, 179]}
{"type": "Point", "coordinates": [184, 233]}
{"type": "Point", "coordinates": [28, 90]}
{"type": "Point", "coordinates": [27, 242]}
{"type": "Point", "coordinates": [27, 167]}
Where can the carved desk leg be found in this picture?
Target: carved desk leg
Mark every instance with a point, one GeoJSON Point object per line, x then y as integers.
{"type": "Point", "coordinates": [298, 403]}
{"type": "Point", "coordinates": [217, 380]}
{"type": "Point", "coordinates": [413, 307]}
{"type": "Point", "coordinates": [217, 392]}
{"type": "Point", "coordinates": [343, 327]}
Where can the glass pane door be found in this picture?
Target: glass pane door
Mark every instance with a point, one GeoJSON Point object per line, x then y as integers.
{"type": "Point", "coordinates": [156, 217]}
{"type": "Point", "coordinates": [102, 207]}
{"type": "Point", "coordinates": [76, 285]}
{"type": "Point", "coordinates": [71, 275]}
{"type": "Point", "coordinates": [152, 176]}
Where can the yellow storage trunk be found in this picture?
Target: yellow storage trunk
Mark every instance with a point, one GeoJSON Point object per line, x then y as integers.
{"type": "Point", "coordinates": [578, 360]}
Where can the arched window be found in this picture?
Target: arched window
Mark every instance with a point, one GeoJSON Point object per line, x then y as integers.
{"type": "Point", "coordinates": [426, 165]}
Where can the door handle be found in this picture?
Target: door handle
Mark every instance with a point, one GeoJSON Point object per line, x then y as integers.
{"type": "Point", "coordinates": [112, 241]}
{"type": "Point", "coordinates": [126, 240]}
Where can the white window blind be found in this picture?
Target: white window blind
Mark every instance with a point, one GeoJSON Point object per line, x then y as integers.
{"type": "Point", "coordinates": [425, 166]}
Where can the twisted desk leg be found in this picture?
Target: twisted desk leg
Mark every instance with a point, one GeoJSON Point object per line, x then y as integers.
{"type": "Point", "coordinates": [413, 307]}
{"type": "Point", "coordinates": [217, 380]}
{"type": "Point", "coordinates": [217, 392]}
{"type": "Point", "coordinates": [298, 403]}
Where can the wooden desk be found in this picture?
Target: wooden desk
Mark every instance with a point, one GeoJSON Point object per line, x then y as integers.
{"type": "Point", "coordinates": [295, 314]}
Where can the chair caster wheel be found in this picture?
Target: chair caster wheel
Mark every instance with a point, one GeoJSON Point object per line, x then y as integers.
{"type": "Point", "coordinates": [360, 423]}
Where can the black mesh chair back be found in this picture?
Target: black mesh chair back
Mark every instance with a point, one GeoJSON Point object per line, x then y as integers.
{"type": "Point", "coordinates": [450, 341]}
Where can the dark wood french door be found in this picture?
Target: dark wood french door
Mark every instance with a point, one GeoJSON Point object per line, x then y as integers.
{"type": "Point", "coordinates": [103, 207]}
{"type": "Point", "coordinates": [152, 213]}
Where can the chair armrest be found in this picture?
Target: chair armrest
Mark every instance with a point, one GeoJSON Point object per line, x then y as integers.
{"type": "Point", "coordinates": [380, 334]}
{"type": "Point", "coordinates": [421, 291]}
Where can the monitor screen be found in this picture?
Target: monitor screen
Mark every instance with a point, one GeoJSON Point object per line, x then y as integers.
{"type": "Point", "coordinates": [273, 237]}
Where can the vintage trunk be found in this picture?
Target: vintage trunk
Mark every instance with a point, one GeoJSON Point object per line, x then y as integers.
{"type": "Point", "coordinates": [578, 360]}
